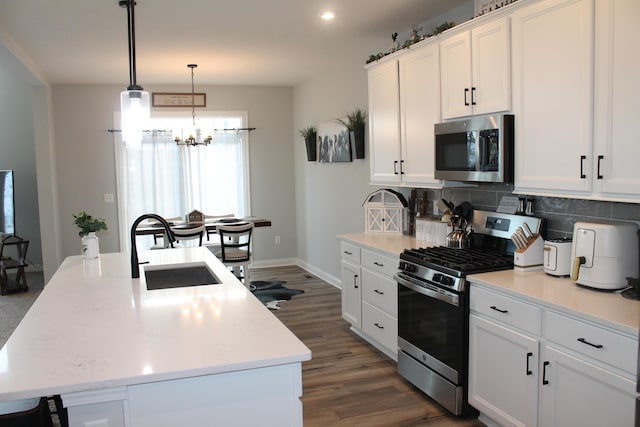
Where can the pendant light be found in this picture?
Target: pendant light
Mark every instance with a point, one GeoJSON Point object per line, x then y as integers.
{"type": "Point", "coordinates": [135, 103]}
{"type": "Point", "coordinates": [194, 134]}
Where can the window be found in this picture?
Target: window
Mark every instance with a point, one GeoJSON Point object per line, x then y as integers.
{"type": "Point", "coordinates": [158, 176]}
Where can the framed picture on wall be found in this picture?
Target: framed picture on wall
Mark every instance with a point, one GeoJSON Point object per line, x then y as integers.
{"type": "Point", "coordinates": [333, 143]}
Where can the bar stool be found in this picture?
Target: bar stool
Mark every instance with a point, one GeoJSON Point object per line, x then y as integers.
{"type": "Point", "coordinates": [235, 249]}
{"type": "Point", "coordinates": [26, 413]}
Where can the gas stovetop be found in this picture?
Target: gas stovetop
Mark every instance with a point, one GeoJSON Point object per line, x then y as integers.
{"type": "Point", "coordinates": [460, 261]}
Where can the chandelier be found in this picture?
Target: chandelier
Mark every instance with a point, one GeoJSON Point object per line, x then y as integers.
{"type": "Point", "coordinates": [135, 103]}
{"type": "Point", "coordinates": [194, 133]}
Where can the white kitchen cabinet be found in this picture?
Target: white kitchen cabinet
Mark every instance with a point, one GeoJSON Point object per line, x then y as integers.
{"type": "Point", "coordinates": [351, 289]}
{"type": "Point", "coordinates": [404, 104]}
{"type": "Point", "coordinates": [503, 373]}
{"type": "Point", "coordinates": [531, 365]}
{"type": "Point", "coordinates": [369, 296]}
{"type": "Point", "coordinates": [552, 50]}
{"type": "Point", "coordinates": [475, 70]}
{"type": "Point", "coordinates": [617, 92]}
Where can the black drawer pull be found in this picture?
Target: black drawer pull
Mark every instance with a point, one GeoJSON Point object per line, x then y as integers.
{"type": "Point", "coordinates": [493, 307]}
{"type": "Point", "coordinates": [582, 159]}
{"type": "Point", "coordinates": [529, 371]}
{"type": "Point", "coordinates": [466, 93]}
{"type": "Point", "coordinates": [377, 325]}
{"type": "Point", "coordinates": [599, 176]}
{"type": "Point", "coordinates": [378, 292]}
{"type": "Point", "coordinates": [583, 341]}
{"type": "Point", "coordinates": [348, 253]}
{"type": "Point", "coordinates": [395, 167]}
{"type": "Point", "coordinates": [544, 373]}
{"type": "Point", "coordinates": [355, 281]}
{"type": "Point", "coordinates": [378, 264]}
{"type": "Point", "coordinates": [473, 96]}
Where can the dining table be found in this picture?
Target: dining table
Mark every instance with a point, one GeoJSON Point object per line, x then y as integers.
{"type": "Point", "coordinates": [210, 225]}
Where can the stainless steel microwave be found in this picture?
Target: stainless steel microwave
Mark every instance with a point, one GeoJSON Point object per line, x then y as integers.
{"type": "Point", "coordinates": [476, 149]}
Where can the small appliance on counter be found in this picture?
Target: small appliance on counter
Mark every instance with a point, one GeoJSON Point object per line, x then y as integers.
{"type": "Point", "coordinates": [557, 256]}
{"type": "Point", "coordinates": [604, 254]}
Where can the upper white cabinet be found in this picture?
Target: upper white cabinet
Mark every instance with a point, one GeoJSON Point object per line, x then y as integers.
{"type": "Point", "coordinates": [553, 97]}
{"type": "Point", "coordinates": [475, 70]}
{"type": "Point", "coordinates": [404, 104]}
{"type": "Point", "coordinates": [617, 97]}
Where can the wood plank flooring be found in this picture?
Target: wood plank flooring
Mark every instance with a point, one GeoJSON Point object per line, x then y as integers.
{"type": "Point", "coordinates": [347, 382]}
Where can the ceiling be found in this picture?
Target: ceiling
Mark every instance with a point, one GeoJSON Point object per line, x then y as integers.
{"type": "Point", "coordinates": [244, 42]}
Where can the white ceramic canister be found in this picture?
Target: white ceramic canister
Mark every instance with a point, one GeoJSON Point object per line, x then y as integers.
{"type": "Point", "coordinates": [90, 246]}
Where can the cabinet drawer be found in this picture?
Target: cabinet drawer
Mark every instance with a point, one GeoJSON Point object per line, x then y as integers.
{"type": "Point", "coordinates": [381, 292]}
{"type": "Point", "coordinates": [378, 262]}
{"type": "Point", "coordinates": [506, 309]}
{"type": "Point", "coordinates": [350, 252]}
{"type": "Point", "coordinates": [593, 341]}
{"type": "Point", "coordinates": [380, 326]}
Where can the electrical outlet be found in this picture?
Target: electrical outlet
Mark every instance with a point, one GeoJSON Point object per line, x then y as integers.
{"type": "Point", "coordinates": [277, 240]}
{"type": "Point", "coordinates": [108, 197]}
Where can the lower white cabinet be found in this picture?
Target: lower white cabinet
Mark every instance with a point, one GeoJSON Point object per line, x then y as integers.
{"type": "Point", "coordinates": [370, 296]}
{"type": "Point", "coordinates": [553, 370]}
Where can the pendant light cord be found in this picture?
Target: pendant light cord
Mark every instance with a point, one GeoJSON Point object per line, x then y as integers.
{"type": "Point", "coordinates": [131, 28]}
{"type": "Point", "coordinates": [193, 94]}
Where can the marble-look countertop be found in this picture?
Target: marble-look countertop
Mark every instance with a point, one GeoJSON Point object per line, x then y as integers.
{"type": "Point", "coordinates": [561, 293]}
{"type": "Point", "coordinates": [393, 244]}
{"type": "Point", "coordinates": [95, 327]}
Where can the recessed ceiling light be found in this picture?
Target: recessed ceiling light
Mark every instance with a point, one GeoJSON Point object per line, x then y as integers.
{"type": "Point", "coordinates": [328, 15]}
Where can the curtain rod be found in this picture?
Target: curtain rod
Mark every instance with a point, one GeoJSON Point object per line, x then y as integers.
{"type": "Point", "coordinates": [162, 130]}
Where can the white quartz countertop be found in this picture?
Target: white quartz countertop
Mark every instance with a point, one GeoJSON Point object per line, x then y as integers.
{"type": "Point", "coordinates": [603, 307]}
{"type": "Point", "coordinates": [95, 327]}
{"type": "Point", "coordinates": [393, 244]}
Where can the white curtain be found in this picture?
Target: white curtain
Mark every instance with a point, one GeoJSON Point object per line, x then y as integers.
{"type": "Point", "coordinates": [158, 176]}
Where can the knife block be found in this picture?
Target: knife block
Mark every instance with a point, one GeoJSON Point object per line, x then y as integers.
{"type": "Point", "coordinates": [530, 258]}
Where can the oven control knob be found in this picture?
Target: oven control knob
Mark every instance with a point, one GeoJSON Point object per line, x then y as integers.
{"type": "Point", "coordinates": [405, 266]}
{"type": "Point", "coordinates": [437, 277]}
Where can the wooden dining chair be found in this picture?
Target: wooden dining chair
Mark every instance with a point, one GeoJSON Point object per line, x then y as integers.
{"type": "Point", "coordinates": [161, 236]}
{"type": "Point", "coordinates": [212, 218]}
{"type": "Point", "coordinates": [235, 249]}
{"type": "Point", "coordinates": [187, 234]}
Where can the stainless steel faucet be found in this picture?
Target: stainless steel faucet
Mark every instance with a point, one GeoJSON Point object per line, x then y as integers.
{"type": "Point", "coordinates": [135, 267]}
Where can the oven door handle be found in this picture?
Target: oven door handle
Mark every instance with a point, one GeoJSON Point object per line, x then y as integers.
{"type": "Point", "coordinates": [429, 290]}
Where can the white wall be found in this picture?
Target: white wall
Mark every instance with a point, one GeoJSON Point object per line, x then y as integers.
{"type": "Point", "coordinates": [329, 197]}
{"type": "Point", "coordinates": [86, 161]}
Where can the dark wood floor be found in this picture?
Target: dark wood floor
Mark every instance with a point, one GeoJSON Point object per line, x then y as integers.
{"type": "Point", "coordinates": [347, 382]}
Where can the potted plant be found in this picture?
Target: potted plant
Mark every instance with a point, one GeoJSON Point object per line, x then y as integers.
{"type": "Point", "coordinates": [88, 226]}
{"type": "Point", "coordinates": [309, 134]}
{"type": "Point", "coordinates": [355, 123]}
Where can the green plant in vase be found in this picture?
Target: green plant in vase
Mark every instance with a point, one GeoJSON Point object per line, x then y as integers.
{"type": "Point", "coordinates": [88, 224]}
{"type": "Point", "coordinates": [309, 134]}
{"type": "Point", "coordinates": [355, 123]}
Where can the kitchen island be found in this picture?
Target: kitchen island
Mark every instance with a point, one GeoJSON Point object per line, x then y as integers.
{"type": "Point", "coordinates": [122, 355]}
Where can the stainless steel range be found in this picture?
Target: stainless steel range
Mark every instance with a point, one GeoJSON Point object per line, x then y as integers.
{"type": "Point", "coordinates": [433, 308]}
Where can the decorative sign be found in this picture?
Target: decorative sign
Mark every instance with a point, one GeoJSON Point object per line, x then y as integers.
{"type": "Point", "coordinates": [485, 6]}
{"type": "Point", "coordinates": [508, 204]}
{"type": "Point", "coordinates": [179, 99]}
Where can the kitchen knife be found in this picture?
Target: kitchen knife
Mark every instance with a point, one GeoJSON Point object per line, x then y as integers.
{"type": "Point", "coordinates": [528, 233]}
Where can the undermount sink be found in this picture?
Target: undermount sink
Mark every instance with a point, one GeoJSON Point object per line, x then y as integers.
{"type": "Point", "coordinates": [179, 276]}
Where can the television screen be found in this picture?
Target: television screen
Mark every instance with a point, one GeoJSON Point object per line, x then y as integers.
{"type": "Point", "coordinates": [7, 210]}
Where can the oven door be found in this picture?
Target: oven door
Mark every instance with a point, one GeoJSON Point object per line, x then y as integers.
{"type": "Point", "coordinates": [432, 326]}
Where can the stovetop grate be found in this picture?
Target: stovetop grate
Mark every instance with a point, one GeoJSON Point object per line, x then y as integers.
{"type": "Point", "coordinates": [461, 260]}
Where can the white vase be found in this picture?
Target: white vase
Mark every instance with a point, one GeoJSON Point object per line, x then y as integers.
{"type": "Point", "coordinates": [90, 246]}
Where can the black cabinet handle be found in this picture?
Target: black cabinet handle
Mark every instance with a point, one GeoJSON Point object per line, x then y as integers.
{"type": "Point", "coordinates": [378, 264]}
{"type": "Point", "coordinates": [378, 292]}
{"type": "Point", "coordinates": [599, 176]}
{"type": "Point", "coordinates": [348, 253]}
{"type": "Point", "coordinates": [355, 281]}
{"type": "Point", "coordinates": [529, 371]}
{"type": "Point", "coordinates": [401, 168]}
{"type": "Point", "coordinates": [582, 159]}
{"type": "Point", "coordinates": [544, 373]}
{"type": "Point", "coordinates": [584, 341]}
{"type": "Point", "coordinates": [466, 92]}
{"type": "Point", "coordinates": [473, 96]}
{"type": "Point", "coordinates": [493, 307]}
{"type": "Point", "coordinates": [377, 325]}
{"type": "Point", "coordinates": [395, 167]}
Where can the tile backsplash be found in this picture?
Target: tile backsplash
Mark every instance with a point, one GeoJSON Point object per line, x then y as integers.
{"type": "Point", "coordinates": [560, 214]}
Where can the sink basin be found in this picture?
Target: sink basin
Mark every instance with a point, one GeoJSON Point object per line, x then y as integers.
{"type": "Point", "coordinates": [179, 276]}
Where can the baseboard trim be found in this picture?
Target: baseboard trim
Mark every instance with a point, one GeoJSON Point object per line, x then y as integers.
{"type": "Point", "coordinates": [333, 281]}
